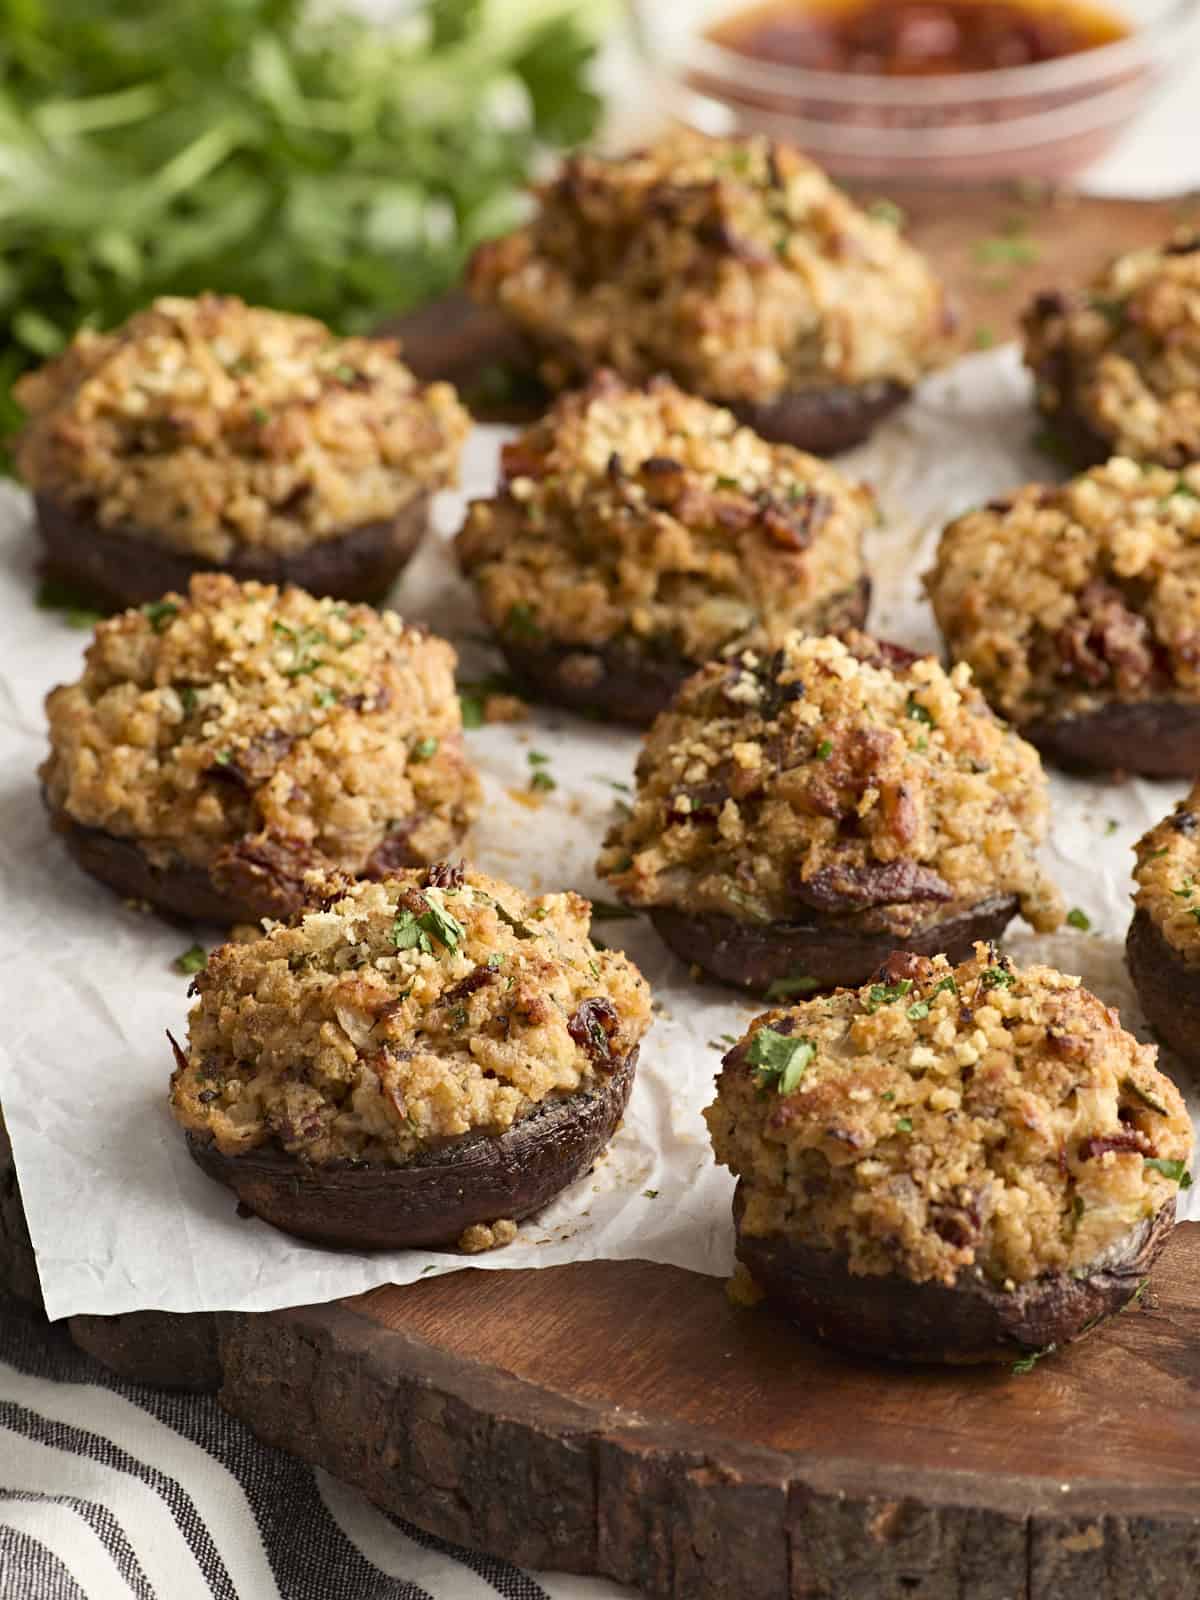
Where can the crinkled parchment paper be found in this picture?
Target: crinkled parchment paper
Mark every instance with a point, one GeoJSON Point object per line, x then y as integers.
{"type": "Point", "coordinates": [121, 1217]}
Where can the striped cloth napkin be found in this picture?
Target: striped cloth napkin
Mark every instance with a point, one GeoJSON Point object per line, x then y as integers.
{"type": "Point", "coordinates": [113, 1491]}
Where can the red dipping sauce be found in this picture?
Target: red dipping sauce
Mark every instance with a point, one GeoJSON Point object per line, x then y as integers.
{"type": "Point", "coordinates": [915, 38]}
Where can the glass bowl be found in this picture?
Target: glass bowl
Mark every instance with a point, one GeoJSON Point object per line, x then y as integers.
{"type": "Point", "coordinates": [1046, 120]}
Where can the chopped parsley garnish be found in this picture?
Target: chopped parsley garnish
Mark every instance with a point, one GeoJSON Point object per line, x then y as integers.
{"type": "Point", "coordinates": [345, 374]}
{"type": "Point", "coordinates": [261, 415]}
{"type": "Point", "coordinates": [473, 696]}
{"type": "Point", "coordinates": [649, 1194]}
{"type": "Point", "coordinates": [824, 750]}
{"type": "Point", "coordinates": [188, 699]}
{"type": "Point", "coordinates": [324, 697]}
{"type": "Point", "coordinates": [424, 749]}
{"type": "Point", "coordinates": [471, 709]}
{"type": "Point", "coordinates": [520, 622]}
{"type": "Point", "coordinates": [1184, 487]}
{"type": "Point", "coordinates": [1110, 827]}
{"type": "Point", "coordinates": [1027, 1363]}
{"type": "Point", "coordinates": [918, 1011]}
{"type": "Point", "coordinates": [800, 984]}
{"type": "Point", "coordinates": [997, 978]}
{"type": "Point", "coordinates": [192, 960]}
{"type": "Point", "coordinates": [538, 758]}
{"type": "Point", "coordinates": [1185, 890]}
{"type": "Point", "coordinates": [1175, 1170]}
{"type": "Point", "coordinates": [916, 712]}
{"type": "Point", "coordinates": [417, 932]}
{"type": "Point", "coordinates": [903, 1124]}
{"type": "Point", "coordinates": [303, 641]}
{"type": "Point", "coordinates": [779, 1060]}
{"type": "Point", "coordinates": [883, 994]}
{"type": "Point", "coordinates": [728, 483]}
{"type": "Point", "coordinates": [1079, 919]}
{"type": "Point", "coordinates": [223, 757]}
{"type": "Point", "coordinates": [158, 613]}
{"type": "Point", "coordinates": [887, 211]}
{"type": "Point", "coordinates": [1143, 1096]}
{"type": "Point", "coordinates": [543, 782]}
{"type": "Point", "coordinates": [948, 982]}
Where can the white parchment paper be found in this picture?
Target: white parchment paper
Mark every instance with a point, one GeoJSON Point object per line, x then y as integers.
{"type": "Point", "coordinates": [121, 1218]}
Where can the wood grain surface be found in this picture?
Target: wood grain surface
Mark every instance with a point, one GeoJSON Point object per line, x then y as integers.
{"type": "Point", "coordinates": [623, 1419]}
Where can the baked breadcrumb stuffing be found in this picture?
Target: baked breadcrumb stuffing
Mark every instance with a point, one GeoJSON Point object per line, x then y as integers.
{"type": "Point", "coordinates": [733, 264]}
{"type": "Point", "coordinates": [651, 516]}
{"type": "Point", "coordinates": [1122, 358]}
{"type": "Point", "coordinates": [850, 779]}
{"type": "Point", "coordinates": [217, 428]}
{"type": "Point", "coordinates": [401, 1016]}
{"type": "Point", "coordinates": [240, 719]}
{"type": "Point", "coordinates": [1064, 598]}
{"type": "Point", "coordinates": [1167, 876]}
{"type": "Point", "coordinates": [984, 1119]}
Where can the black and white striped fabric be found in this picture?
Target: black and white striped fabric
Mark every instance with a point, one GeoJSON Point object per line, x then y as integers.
{"type": "Point", "coordinates": [113, 1491]}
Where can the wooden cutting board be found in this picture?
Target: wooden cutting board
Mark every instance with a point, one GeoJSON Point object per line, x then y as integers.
{"type": "Point", "coordinates": [624, 1419]}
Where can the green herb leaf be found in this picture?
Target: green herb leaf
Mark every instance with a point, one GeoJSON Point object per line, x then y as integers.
{"type": "Point", "coordinates": [649, 1194]}
{"type": "Point", "coordinates": [918, 1011]}
{"type": "Point", "coordinates": [800, 984]}
{"type": "Point", "coordinates": [887, 211]}
{"type": "Point", "coordinates": [471, 710]}
{"type": "Point", "coordinates": [1175, 1170]}
{"type": "Point", "coordinates": [194, 959]}
{"type": "Point", "coordinates": [521, 624]}
{"type": "Point", "coordinates": [948, 982]}
{"type": "Point", "coordinates": [1027, 1363]}
{"type": "Point", "coordinates": [408, 934]}
{"type": "Point", "coordinates": [883, 994]}
{"type": "Point", "coordinates": [1143, 1096]}
{"type": "Point", "coordinates": [324, 697]}
{"type": "Point", "coordinates": [824, 750]}
{"type": "Point", "coordinates": [779, 1059]}
{"type": "Point", "coordinates": [916, 712]}
{"type": "Point", "coordinates": [1079, 919]}
{"type": "Point", "coordinates": [158, 613]}
{"type": "Point", "coordinates": [537, 758]}
{"type": "Point", "coordinates": [424, 749]}
{"type": "Point", "coordinates": [904, 1125]}
{"type": "Point", "coordinates": [997, 978]}
{"type": "Point", "coordinates": [542, 781]}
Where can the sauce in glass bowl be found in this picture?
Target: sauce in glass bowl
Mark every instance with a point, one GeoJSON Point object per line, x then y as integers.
{"type": "Point", "coordinates": [916, 38]}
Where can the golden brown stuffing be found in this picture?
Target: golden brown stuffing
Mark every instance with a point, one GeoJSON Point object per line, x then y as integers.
{"type": "Point", "coordinates": [1167, 875]}
{"type": "Point", "coordinates": [1064, 598]}
{"type": "Point", "coordinates": [733, 264]}
{"type": "Point", "coordinates": [213, 428]}
{"type": "Point", "coordinates": [404, 1015]}
{"type": "Point", "coordinates": [651, 515]}
{"type": "Point", "coordinates": [1123, 358]}
{"type": "Point", "coordinates": [850, 779]}
{"type": "Point", "coordinates": [984, 1119]}
{"type": "Point", "coordinates": [242, 718]}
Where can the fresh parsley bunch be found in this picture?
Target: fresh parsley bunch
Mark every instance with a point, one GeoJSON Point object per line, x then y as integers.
{"type": "Point", "coordinates": [299, 156]}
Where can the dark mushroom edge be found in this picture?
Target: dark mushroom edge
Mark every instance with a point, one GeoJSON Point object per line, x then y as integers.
{"type": "Point", "coordinates": [1152, 738]}
{"type": "Point", "coordinates": [246, 882]}
{"type": "Point", "coordinates": [824, 420]}
{"type": "Point", "coordinates": [126, 568]}
{"type": "Point", "coordinates": [1168, 987]}
{"type": "Point", "coordinates": [969, 1321]}
{"type": "Point", "coordinates": [754, 956]}
{"type": "Point", "coordinates": [426, 1203]}
{"type": "Point", "coordinates": [623, 681]}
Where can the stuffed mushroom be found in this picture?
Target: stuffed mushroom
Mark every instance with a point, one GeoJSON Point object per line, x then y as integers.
{"type": "Point", "coordinates": [732, 264]}
{"type": "Point", "coordinates": [417, 1062]}
{"type": "Point", "coordinates": [1117, 365]}
{"type": "Point", "coordinates": [221, 745]}
{"type": "Point", "coordinates": [964, 1163]}
{"type": "Point", "coordinates": [799, 815]}
{"type": "Point", "coordinates": [1163, 947]}
{"type": "Point", "coordinates": [1077, 608]}
{"type": "Point", "coordinates": [639, 532]}
{"type": "Point", "coordinates": [206, 434]}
